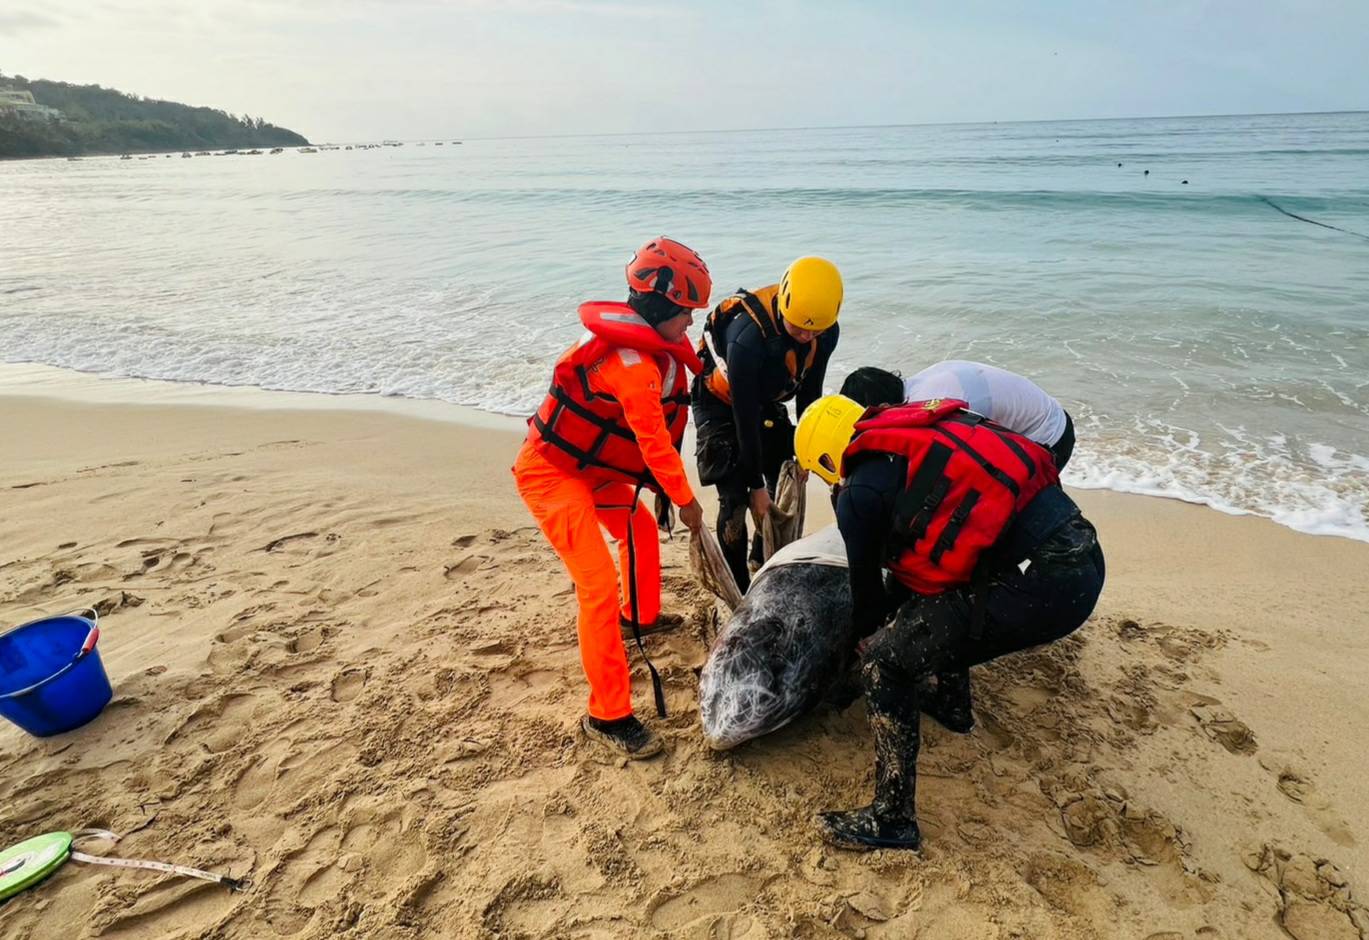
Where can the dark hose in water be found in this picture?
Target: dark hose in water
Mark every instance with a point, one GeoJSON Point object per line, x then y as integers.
{"type": "Point", "coordinates": [1273, 205]}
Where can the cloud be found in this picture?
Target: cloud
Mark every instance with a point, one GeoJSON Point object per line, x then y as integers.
{"type": "Point", "coordinates": [14, 22]}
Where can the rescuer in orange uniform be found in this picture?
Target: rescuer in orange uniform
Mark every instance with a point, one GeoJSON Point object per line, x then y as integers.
{"type": "Point", "coordinates": [611, 425]}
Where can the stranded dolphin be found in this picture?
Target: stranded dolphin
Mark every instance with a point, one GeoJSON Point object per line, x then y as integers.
{"type": "Point", "coordinates": [782, 648]}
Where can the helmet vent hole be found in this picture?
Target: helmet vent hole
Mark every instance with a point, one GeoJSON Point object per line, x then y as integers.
{"type": "Point", "coordinates": [828, 463]}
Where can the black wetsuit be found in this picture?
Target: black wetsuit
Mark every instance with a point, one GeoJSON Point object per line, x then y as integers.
{"type": "Point", "coordinates": [1045, 597]}
{"type": "Point", "coordinates": [740, 447]}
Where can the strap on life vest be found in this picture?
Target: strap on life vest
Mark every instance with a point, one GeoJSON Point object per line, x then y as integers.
{"type": "Point", "coordinates": [760, 314]}
{"type": "Point", "coordinates": [924, 494]}
{"type": "Point", "coordinates": [772, 335]}
{"type": "Point", "coordinates": [1000, 481]}
{"type": "Point", "coordinates": [755, 309]}
{"type": "Point", "coordinates": [607, 429]}
{"type": "Point", "coordinates": [915, 506]}
{"type": "Point", "coordinates": [580, 423]}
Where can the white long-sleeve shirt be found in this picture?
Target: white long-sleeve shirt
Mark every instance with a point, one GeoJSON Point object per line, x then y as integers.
{"type": "Point", "coordinates": [1003, 397]}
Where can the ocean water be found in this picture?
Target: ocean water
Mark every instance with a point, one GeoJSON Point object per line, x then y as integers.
{"type": "Point", "coordinates": [1210, 347]}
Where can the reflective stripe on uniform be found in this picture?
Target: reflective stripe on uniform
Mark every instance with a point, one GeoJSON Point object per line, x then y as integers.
{"type": "Point", "coordinates": [632, 318]}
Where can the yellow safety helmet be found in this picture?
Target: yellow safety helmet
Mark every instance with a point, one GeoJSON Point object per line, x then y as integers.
{"type": "Point", "coordinates": [823, 434]}
{"type": "Point", "coordinates": [810, 294]}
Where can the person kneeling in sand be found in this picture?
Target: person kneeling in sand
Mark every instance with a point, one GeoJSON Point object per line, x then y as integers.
{"type": "Point", "coordinates": [988, 556]}
{"type": "Point", "coordinates": [1004, 397]}
{"type": "Point", "coordinates": [612, 425]}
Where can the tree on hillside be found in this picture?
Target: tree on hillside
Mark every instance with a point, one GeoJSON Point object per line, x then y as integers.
{"type": "Point", "coordinates": [103, 120]}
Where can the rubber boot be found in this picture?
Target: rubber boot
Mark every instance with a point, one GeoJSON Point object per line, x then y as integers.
{"type": "Point", "coordinates": [733, 541]}
{"type": "Point", "coordinates": [627, 736]}
{"type": "Point", "coordinates": [890, 822]}
{"type": "Point", "coordinates": [950, 704]}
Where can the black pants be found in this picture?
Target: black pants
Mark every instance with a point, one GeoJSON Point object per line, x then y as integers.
{"type": "Point", "coordinates": [716, 450]}
{"type": "Point", "coordinates": [1063, 448]}
{"type": "Point", "coordinates": [932, 636]}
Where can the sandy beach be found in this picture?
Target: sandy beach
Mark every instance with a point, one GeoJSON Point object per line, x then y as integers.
{"type": "Point", "coordinates": [345, 668]}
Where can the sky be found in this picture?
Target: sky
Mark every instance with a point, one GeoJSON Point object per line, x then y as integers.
{"type": "Point", "coordinates": [352, 70]}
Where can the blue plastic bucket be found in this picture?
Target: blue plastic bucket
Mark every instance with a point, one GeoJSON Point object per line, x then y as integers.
{"type": "Point", "coordinates": [51, 677]}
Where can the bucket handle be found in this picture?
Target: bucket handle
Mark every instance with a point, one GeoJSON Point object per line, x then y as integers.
{"type": "Point", "coordinates": [91, 639]}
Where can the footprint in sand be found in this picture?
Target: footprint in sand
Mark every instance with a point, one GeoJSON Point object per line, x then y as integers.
{"type": "Point", "coordinates": [89, 571]}
{"type": "Point", "coordinates": [384, 841]}
{"type": "Point", "coordinates": [1220, 725]}
{"type": "Point", "coordinates": [219, 726]}
{"type": "Point", "coordinates": [306, 878]}
{"type": "Point", "coordinates": [179, 901]}
{"type": "Point", "coordinates": [308, 641]}
{"type": "Point", "coordinates": [255, 783]}
{"type": "Point", "coordinates": [237, 632]}
{"type": "Point", "coordinates": [463, 541]}
{"type": "Point", "coordinates": [284, 768]}
{"type": "Point", "coordinates": [1314, 898]}
{"type": "Point", "coordinates": [722, 894]}
{"type": "Point", "coordinates": [117, 601]}
{"type": "Point", "coordinates": [464, 567]}
{"type": "Point", "coordinates": [166, 561]}
{"type": "Point", "coordinates": [348, 685]}
{"type": "Point", "coordinates": [1109, 818]}
{"type": "Point", "coordinates": [1299, 788]}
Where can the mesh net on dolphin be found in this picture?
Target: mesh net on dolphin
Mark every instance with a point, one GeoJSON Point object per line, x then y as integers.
{"type": "Point", "coordinates": [781, 649]}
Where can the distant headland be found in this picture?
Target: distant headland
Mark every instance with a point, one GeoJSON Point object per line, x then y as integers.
{"type": "Point", "coordinates": [40, 118]}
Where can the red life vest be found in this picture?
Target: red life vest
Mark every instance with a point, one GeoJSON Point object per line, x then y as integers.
{"type": "Point", "coordinates": [579, 429]}
{"type": "Point", "coordinates": [968, 479]}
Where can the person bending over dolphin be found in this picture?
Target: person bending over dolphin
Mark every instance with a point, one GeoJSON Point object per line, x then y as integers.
{"type": "Point", "coordinates": [989, 555]}
{"type": "Point", "coordinates": [1006, 398]}
{"type": "Point", "coordinates": [1003, 397]}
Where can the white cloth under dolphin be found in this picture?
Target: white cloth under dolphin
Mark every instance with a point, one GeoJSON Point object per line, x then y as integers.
{"type": "Point", "coordinates": [823, 547]}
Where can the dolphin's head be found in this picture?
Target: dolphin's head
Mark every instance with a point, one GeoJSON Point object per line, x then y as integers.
{"type": "Point", "coordinates": [740, 697]}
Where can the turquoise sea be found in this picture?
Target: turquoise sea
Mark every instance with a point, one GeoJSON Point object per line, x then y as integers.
{"type": "Point", "coordinates": [1210, 346]}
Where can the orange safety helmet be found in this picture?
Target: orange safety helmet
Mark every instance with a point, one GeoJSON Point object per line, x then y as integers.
{"type": "Point", "coordinates": [664, 266]}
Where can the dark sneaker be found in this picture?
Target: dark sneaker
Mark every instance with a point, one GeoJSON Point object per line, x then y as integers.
{"type": "Point", "coordinates": [662, 624]}
{"type": "Point", "coordinates": [861, 830]}
{"type": "Point", "coordinates": [627, 736]}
